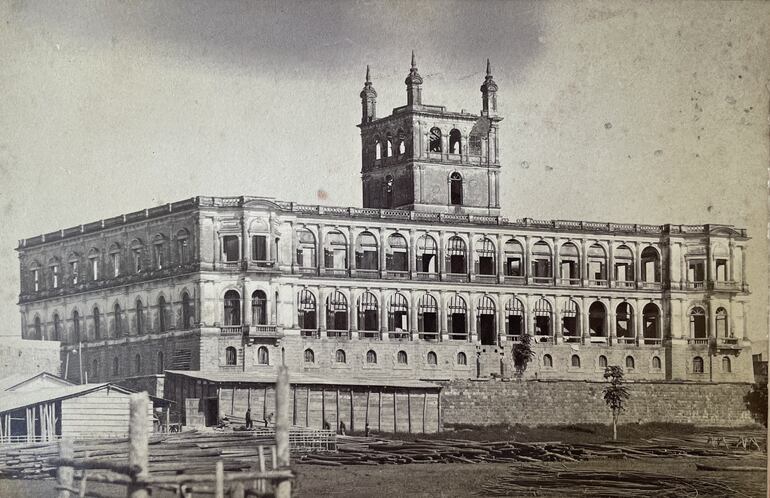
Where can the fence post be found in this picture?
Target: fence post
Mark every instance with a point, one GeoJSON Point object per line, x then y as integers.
{"type": "Point", "coordinates": [282, 425]}
{"type": "Point", "coordinates": [64, 474]}
{"type": "Point", "coordinates": [219, 490]}
{"type": "Point", "coordinates": [138, 440]}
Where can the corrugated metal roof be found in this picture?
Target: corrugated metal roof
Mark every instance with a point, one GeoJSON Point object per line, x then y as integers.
{"type": "Point", "coordinates": [15, 400]}
{"type": "Point", "coordinates": [295, 378]}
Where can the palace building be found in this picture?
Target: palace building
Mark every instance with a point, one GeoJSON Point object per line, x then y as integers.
{"type": "Point", "coordinates": [426, 281]}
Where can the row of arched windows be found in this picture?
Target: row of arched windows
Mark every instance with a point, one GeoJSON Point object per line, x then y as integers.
{"type": "Point", "coordinates": [121, 324]}
{"type": "Point", "coordinates": [426, 253]}
{"type": "Point", "coordinates": [575, 362]}
{"type": "Point", "coordinates": [136, 368]}
{"type": "Point", "coordinates": [392, 144]}
{"type": "Point", "coordinates": [371, 357]}
{"type": "Point", "coordinates": [115, 262]}
{"type": "Point", "coordinates": [232, 308]}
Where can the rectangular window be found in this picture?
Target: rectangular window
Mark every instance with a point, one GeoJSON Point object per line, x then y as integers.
{"type": "Point", "coordinates": [137, 261]}
{"type": "Point", "coordinates": [94, 269]}
{"type": "Point", "coordinates": [259, 248]}
{"type": "Point", "coordinates": [55, 276]}
{"type": "Point", "coordinates": [181, 245]}
{"type": "Point", "coordinates": [721, 270]}
{"type": "Point", "coordinates": [158, 256]}
{"type": "Point", "coordinates": [541, 268]}
{"type": "Point", "coordinates": [74, 269]}
{"type": "Point", "coordinates": [513, 267]}
{"type": "Point", "coordinates": [696, 271]}
{"type": "Point", "coordinates": [36, 279]}
{"type": "Point", "coordinates": [231, 247]}
{"type": "Point", "coordinates": [486, 265]}
{"type": "Point", "coordinates": [115, 264]}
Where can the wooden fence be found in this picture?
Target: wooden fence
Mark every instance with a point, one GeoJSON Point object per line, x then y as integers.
{"type": "Point", "coordinates": [137, 477]}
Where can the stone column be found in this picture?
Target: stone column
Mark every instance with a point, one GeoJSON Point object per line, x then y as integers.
{"type": "Point", "coordinates": [585, 331]}
{"type": "Point", "coordinates": [555, 270]}
{"type": "Point", "coordinates": [354, 325]}
{"type": "Point", "coordinates": [412, 253]}
{"type": "Point", "coordinates": [638, 322]}
{"type": "Point", "coordinates": [471, 263]}
{"type": "Point", "coordinates": [584, 263]}
{"type": "Point", "coordinates": [609, 272]}
{"type": "Point", "coordinates": [352, 234]}
{"type": "Point", "coordinates": [383, 315]}
{"type": "Point", "coordinates": [527, 260]}
{"type": "Point", "coordinates": [321, 310]}
{"type": "Point", "coordinates": [613, 332]}
{"type": "Point", "coordinates": [442, 316]}
{"type": "Point", "coordinates": [382, 252]}
{"type": "Point", "coordinates": [500, 325]}
{"type": "Point", "coordinates": [558, 336]}
{"type": "Point", "coordinates": [711, 310]}
{"type": "Point", "coordinates": [441, 263]}
{"type": "Point", "coordinates": [500, 254]}
{"type": "Point", "coordinates": [320, 253]}
{"type": "Point", "coordinates": [471, 318]}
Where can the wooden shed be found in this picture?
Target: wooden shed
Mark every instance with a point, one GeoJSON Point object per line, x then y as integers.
{"type": "Point", "coordinates": [386, 405]}
{"type": "Point", "coordinates": [84, 411]}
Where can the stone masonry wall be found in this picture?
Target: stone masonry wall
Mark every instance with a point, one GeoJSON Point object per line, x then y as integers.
{"type": "Point", "coordinates": [533, 402]}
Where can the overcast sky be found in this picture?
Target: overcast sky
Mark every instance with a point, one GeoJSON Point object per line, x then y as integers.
{"type": "Point", "coordinates": [646, 112]}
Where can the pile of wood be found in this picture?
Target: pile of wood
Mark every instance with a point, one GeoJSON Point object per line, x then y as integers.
{"type": "Point", "coordinates": [538, 480]}
{"type": "Point", "coordinates": [373, 451]}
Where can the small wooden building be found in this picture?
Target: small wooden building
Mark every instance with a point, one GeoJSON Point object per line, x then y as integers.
{"type": "Point", "coordinates": [76, 411]}
{"type": "Point", "coordinates": [386, 405]}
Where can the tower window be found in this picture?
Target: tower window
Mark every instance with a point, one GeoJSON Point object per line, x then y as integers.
{"type": "Point", "coordinates": [389, 145]}
{"type": "Point", "coordinates": [389, 191]}
{"type": "Point", "coordinates": [377, 149]}
{"type": "Point", "coordinates": [435, 140]}
{"type": "Point", "coordinates": [455, 142]}
{"type": "Point", "coordinates": [456, 189]}
{"type": "Point", "coordinates": [474, 145]}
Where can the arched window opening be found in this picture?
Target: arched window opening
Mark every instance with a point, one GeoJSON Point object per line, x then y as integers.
{"type": "Point", "coordinates": [340, 356]}
{"type": "Point", "coordinates": [650, 262]}
{"type": "Point", "coordinates": [389, 192]}
{"type": "Point", "coordinates": [456, 315]}
{"type": "Point", "coordinates": [624, 266]}
{"type": "Point", "coordinates": [306, 248]}
{"type": "Point", "coordinates": [651, 323]}
{"type": "Point", "coordinates": [514, 314]}
{"type": "Point", "coordinates": [159, 364]}
{"type": "Point", "coordinates": [547, 361]}
{"type": "Point", "coordinates": [397, 256]}
{"type": "Point", "coordinates": [456, 189]}
{"type": "Point", "coordinates": [697, 365]}
{"type": "Point", "coordinates": [427, 317]}
{"type": "Point", "coordinates": [139, 317]}
{"type": "Point", "coordinates": [656, 364]}
{"type": "Point", "coordinates": [597, 317]}
{"type": "Point", "coordinates": [97, 323]}
{"type": "Point", "coordinates": [367, 255]}
{"type": "Point", "coordinates": [335, 251]}
{"type": "Point", "coordinates": [462, 359]}
{"type": "Point", "coordinates": [186, 312]}
{"type": "Point", "coordinates": [371, 357]}
{"type": "Point", "coordinates": [183, 246]}
{"type": "Point", "coordinates": [485, 321]}
{"type": "Point", "coordinates": [624, 319]}
{"type": "Point", "coordinates": [337, 314]}
{"type": "Point", "coordinates": [630, 363]}
{"type": "Point", "coordinates": [35, 276]}
{"type": "Point", "coordinates": [93, 265]}
{"type": "Point", "coordinates": [569, 322]}
{"type": "Point", "coordinates": [597, 265]}
{"type": "Point", "coordinates": [514, 259]}
{"type": "Point", "coordinates": [485, 257]}
{"type": "Point", "coordinates": [434, 140]}
{"type": "Point", "coordinates": [309, 356]}
{"type": "Point", "coordinates": [162, 325]}
{"type": "Point", "coordinates": [398, 316]}
{"type": "Point", "coordinates": [389, 145]}
{"type": "Point", "coordinates": [401, 142]}
{"type": "Point", "coordinates": [402, 358]}
{"type": "Point", "coordinates": [721, 322]}
{"type": "Point", "coordinates": [306, 312]}
{"type": "Point", "coordinates": [231, 356]}
{"type": "Point", "coordinates": [368, 316]}
{"type": "Point", "coordinates": [427, 254]}
{"type": "Point", "coordinates": [726, 365]}
{"type": "Point", "coordinates": [263, 356]}
{"type": "Point", "coordinates": [38, 329]}
{"type": "Point", "coordinates": [456, 256]}
{"type": "Point", "coordinates": [56, 328]}
{"type": "Point", "coordinates": [232, 308]}
{"type": "Point", "coordinates": [159, 252]}
{"type": "Point", "coordinates": [575, 361]}
{"type": "Point", "coordinates": [542, 320]}
{"type": "Point", "coordinates": [115, 367]}
{"type": "Point", "coordinates": [432, 358]}
{"type": "Point", "coordinates": [258, 308]}
{"type": "Point", "coordinates": [455, 141]}
{"type": "Point", "coordinates": [377, 149]}
{"type": "Point", "coordinates": [74, 270]}
{"type": "Point", "coordinates": [602, 361]}
{"type": "Point", "coordinates": [698, 323]}
{"type": "Point", "coordinates": [541, 263]}
{"type": "Point", "coordinates": [569, 264]}
{"type": "Point", "coordinates": [137, 364]}
{"type": "Point", "coordinates": [76, 326]}
{"type": "Point", "coordinates": [118, 316]}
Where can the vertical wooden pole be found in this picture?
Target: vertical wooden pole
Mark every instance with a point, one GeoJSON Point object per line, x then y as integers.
{"type": "Point", "coordinates": [237, 490]}
{"type": "Point", "coordinates": [352, 415]}
{"type": "Point", "coordinates": [395, 412]}
{"type": "Point", "coordinates": [219, 487]}
{"type": "Point", "coordinates": [337, 416]}
{"type": "Point", "coordinates": [323, 408]}
{"type": "Point", "coordinates": [260, 487]}
{"type": "Point", "coordinates": [138, 439]}
{"type": "Point", "coordinates": [379, 410]}
{"type": "Point", "coordinates": [438, 398]}
{"type": "Point", "coordinates": [424, 408]}
{"type": "Point", "coordinates": [294, 406]}
{"type": "Point", "coordinates": [65, 475]}
{"type": "Point", "coordinates": [264, 403]}
{"type": "Point", "coordinates": [282, 426]}
{"type": "Point", "coordinates": [409, 409]}
{"type": "Point", "coordinates": [366, 415]}
{"type": "Point", "coordinates": [307, 408]}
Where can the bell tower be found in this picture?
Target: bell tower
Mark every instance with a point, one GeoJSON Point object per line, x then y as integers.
{"type": "Point", "coordinates": [425, 158]}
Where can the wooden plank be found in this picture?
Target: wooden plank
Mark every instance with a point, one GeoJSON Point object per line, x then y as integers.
{"type": "Point", "coordinates": [379, 410]}
{"type": "Point", "coordinates": [352, 413]}
{"type": "Point", "coordinates": [424, 409]}
{"type": "Point", "coordinates": [337, 414]}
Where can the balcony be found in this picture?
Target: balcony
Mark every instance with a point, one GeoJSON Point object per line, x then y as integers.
{"type": "Point", "coordinates": [427, 276]}
{"type": "Point", "coordinates": [624, 284]}
{"type": "Point", "coordinates": [399, 335]}
{"type": "Point", "coordinates": [543, 339]}
{"type": "Point", "coordinates": [651, 285]}
{"type": "Point", "coordinates": [569, 281]}
{"type": "Point", "coordinates": [626, 340]}
{"type": "Point", "coordinates": [455, 277]}
{"type": "Point", "coordinates": [369, 334]}
{"type": "Point", "coordinates": [336, 272]}
{"type": "Point", "coordinates": [572, 338]}
{"type": "Point", "coordinates": [262, 331]}
{"type": "Point", "coordinates": [727, 286]}
{"type": "Point", "coordinates": [486, 279]}
{"type": "Point", "coordinates": [513, 338]}
{"type": "Point", "coordinates": [700, 341]}
{"type": "Point", "coordinates": [428, 336]}
{"type": "Point", "coordinates": [597, 340]}
{"type": "Point", "coordinates": [338, 334]}
{"type": "Point", "coordinates": [652, 341]}
{"type": "Point", "coordinates": [597, 283]}
{"type": "Point", "coordinates": [307, 270]}
{"type": "Point", "coordinates": [542, 280]}
{"type": "Point", "coordinates": [694, 285]}
{"type": "Point", "coordinates": [231, 330]}
{"type": "Point", "coordinates": [310, 333]}
{"type": "Point", "coordinates": [515, 279]}
{"type": "Point", "coordinates": [365, 273]}
{"type": "Point", "coordinates": [397, 275]}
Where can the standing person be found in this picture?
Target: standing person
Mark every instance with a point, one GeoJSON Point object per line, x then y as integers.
{"type": "Point", "coordinates": [342, 427]}
{"type": "Point", "coordinates": [249, 424]}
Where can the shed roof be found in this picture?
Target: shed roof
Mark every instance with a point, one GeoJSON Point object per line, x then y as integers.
{"type": "Point", "coordinates": [297, 378]}
{"type": "Point", "coordinates": [15, 400]}
{"type": "Point", "coordinates": [15, 381]}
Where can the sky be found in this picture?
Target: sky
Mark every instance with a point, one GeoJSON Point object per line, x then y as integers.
{"type": "Point", "coordinates": [637, 112]}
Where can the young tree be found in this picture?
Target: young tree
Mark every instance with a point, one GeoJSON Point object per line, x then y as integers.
{"type": "Point", "coordinates": [615, 395]}
{"type": "Point", "coordinates": [522, 354]}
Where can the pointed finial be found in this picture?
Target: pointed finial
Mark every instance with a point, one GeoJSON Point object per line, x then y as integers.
{"type": "Point", "coordinates": [414, 62]}
{"type": "Point", "coordinates": [489, 68]}
{"type": "Point", "coordinates": [368, 78]}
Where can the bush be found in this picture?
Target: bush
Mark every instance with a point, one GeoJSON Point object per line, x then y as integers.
{"type": "Point", "coordinates": [756, 402]}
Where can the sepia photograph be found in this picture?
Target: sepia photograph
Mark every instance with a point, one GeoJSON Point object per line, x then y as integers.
{"type": "Point", "coordinates": [431, 248]}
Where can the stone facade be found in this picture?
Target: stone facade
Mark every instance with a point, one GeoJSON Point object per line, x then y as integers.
{"type": "Point", "coordinates": [21, 356]}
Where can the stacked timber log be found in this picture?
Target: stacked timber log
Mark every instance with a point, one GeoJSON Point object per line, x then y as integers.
{"type": "Point", "coordinates": [374, 451]}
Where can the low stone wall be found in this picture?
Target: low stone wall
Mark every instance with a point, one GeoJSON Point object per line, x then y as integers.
{"type": "Point", "coordinates": [551, 402]}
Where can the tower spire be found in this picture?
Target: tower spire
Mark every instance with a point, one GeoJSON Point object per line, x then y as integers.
{"type": "Point", "coordinates": [489, 93]}
{"type": "Point", "coordinates": [368, 99]}
{"type": "Point", "coordinates": [413, 82]}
